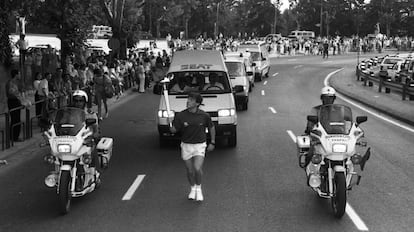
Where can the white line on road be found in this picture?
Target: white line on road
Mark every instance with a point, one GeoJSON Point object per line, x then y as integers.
{"type": "Point", "coordinates": [326, 83]}
{"type": "Point", "coordinates": [265, 83]}
{"type": "Point", "coordinates": [326, 62]}
{"type": "Point", "coordinates": [355, 218]}
{"type": "Point", "coordinates": [348, 209]}
{"type": "Point", "coordinates": [297, 66]}
{"type": "Point", "coordinates": [272, 109]}
{"type": "Point", "coordinates": [128, 195]}
{"type": "Point", "coordinates": [292, 136]}
{"type": "Point", "coordinates": [275, 74]}
{"type": "Point", "coordinates": [263, 93]}
{"type": "Point", "coordinates": [292, 59]}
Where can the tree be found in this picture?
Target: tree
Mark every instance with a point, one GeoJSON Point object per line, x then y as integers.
{"type": "Point", "coordinates": [5, 46]}
{"type": "Point", "coordinates": [117, 11]}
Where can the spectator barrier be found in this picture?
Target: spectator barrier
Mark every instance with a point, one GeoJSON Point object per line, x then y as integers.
{"type": "Point", "coordinates": [369, 78]}
{"type": "Point", "coordinates": [27, 122]}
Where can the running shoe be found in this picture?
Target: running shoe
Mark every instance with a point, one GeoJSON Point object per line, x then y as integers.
{"type": "Point", "coordinates": [192, 194]}
{"type": "Point", "coordinates": [199, 195]}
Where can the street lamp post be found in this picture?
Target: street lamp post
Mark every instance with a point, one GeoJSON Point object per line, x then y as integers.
{"type": "Point", "coordinates": [216, 28]}
{"type": "Point", "coordinates": [320, 24]}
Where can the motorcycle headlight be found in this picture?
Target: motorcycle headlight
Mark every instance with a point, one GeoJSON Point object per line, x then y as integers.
{"type": "Point", "coordinates": [316, 158]}
{"type": "Point", "coordinates": [64, 148]}
{"type": "Point", "coordinates": [163, 114]}
{"type": "Point", "coordinates": [338, 147]}
{"type": "Point", "coordinates": [226, 112]}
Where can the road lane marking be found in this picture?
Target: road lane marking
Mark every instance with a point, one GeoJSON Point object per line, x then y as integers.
{"type": "Point", "coordinates": [355, 218]}
{"type": "Point", "coordinates": [326, 83]}
{"type": "Point", "coordinates": [326, 62]}
{"type": "Point", "coordinates": [292, 59]}
{"type": "Point", "coordinates": [128, 195]}
{"type": "Point", "coordinates": [272, 109]}
{"type": "Point", "coordinates": [263, 93]}
{"type": "Point", "coordinates": [348, 209]}
{"type": "Point", "coordinates": [265, 83]}
{"type": "Point", "coordinates": [292, 136]}
{"type": "Point", "coordinates": [275, 74]}
{"type": "Point", "coordinates": [297, 66]}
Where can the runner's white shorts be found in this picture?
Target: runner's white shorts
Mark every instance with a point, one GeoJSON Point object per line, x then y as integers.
{"type": "Point", "coordinates": [189, 150]}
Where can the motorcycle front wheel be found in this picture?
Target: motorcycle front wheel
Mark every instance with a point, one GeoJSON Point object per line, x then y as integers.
{"type": "Point", "coordinates": [338, 202]}
{"type": "Point", "coordinates": [64, 192]}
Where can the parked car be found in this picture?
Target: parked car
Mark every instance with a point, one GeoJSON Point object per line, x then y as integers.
{"type": "Point", "coordinates": [406, 75]}
{"type": "Point", "coordinates": [388, 63]}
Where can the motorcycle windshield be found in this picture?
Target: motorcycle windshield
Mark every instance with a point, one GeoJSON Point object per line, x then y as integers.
{"type": "Point", "coordinates": [69, 121]}
{"type": "Point", "coordinates": [336, 119]}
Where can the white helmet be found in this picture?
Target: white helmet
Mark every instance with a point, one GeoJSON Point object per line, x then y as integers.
{"type": "Point", "coordinates": [328, 91]}
{"type": "Point", "coordinates": [80, 93]}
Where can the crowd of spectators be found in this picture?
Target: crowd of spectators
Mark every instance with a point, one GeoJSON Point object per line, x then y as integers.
{"type": "Point", "coordinates": [99, 75]}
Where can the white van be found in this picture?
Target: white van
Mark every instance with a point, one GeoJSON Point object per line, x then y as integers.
{"type": "Point", "coordinates": [248, 61]}
{"type": "Point", "coordinates": [238, 77]}
{"type": "Point", "coordinates": [191, 71]}
{"type": "Point", "coordinates": [260, 57]}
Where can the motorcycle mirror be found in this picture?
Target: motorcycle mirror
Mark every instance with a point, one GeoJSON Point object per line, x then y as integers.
{"type": "Point", "coordinates": [312, 118]}
{"type": "Point", "coordinates": [361, 119]}
{"type": "Point", "coordinates": [90, 121]}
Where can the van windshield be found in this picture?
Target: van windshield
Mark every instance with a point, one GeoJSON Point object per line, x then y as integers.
{"type": "Point", "coordinates": [256, 56]}
{"type": "Point", "coordinates": [235, 69]}
{"type": "Point", "coordinates": [198, 81]}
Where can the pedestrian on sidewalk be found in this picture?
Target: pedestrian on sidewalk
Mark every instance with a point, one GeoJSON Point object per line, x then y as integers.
{"type": "Point", "coordinates": [192, 123]}
{"type": "Point", "coordinates": [15, 99]}
{"type": "Point", "coordinates": [100, 82]}
{"type": "Point", "coordinates": [36, 84]}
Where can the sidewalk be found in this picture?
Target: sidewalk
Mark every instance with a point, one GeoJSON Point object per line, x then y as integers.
{"type": "Point", "coordinates": [32, 145]}
{"type": "Point", "coordinates": [345, 82]}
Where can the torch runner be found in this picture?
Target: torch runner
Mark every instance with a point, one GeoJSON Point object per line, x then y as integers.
{"type": "Point", "coordinates": [165, 82]}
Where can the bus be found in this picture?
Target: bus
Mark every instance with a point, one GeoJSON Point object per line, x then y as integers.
{"type": "Point", "coordinates": [101, 31]}
{"type": "Point", "coordinates": [302, 34]}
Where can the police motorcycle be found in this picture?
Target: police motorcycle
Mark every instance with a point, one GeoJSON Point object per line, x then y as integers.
{"type": "Point", "coordinates": [334, 147]}
{"type": "Point", "coordinates": [71, 143]}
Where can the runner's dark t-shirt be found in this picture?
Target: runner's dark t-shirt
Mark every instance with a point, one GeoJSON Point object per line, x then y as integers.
{"type": "Point", "coordinates": [192, 126]}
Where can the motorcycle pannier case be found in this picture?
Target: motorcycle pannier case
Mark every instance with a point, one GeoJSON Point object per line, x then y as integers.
{"type": "Point", "coordinates": [303, 142]}
{"type": "Point", "coordinates": [104, 149]}
{"type": "Point", "coordinates": [303, 145]}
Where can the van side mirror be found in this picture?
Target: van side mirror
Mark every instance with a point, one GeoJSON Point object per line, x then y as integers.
{"type": "Point", "coordinates": [312, 118]}
{"type": "Point", "coordinates": [264, 58]}
{"type": "Point", "coordinates": [361, 119]}
{"type": "Point", "coordinates": [157, 88]}
{"type": "Point", "coordinates": [254, 65]}
{"type": "Point", "coordinates": [238, 89]}
{"type": "Point", "coordinates": [90, 121]}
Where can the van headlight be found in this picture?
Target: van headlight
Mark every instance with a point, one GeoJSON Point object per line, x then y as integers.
{"type": "Point", "coordinates": [226, 112]}
{"type": "Point", "coordinates": [64, 148]}
{"type": "Point", "coordinates": [339, 147]}
{"type": "Point", "coordinates": [163, 114]}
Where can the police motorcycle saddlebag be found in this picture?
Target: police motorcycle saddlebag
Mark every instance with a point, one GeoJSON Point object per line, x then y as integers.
{"type": "Point", "coordinates": [104, 149]}
{"type": "Point", "coordinates": [303, 145]}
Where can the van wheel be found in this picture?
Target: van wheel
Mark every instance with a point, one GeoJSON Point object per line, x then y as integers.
{"type": "Point", "coordinates": [232, 140]}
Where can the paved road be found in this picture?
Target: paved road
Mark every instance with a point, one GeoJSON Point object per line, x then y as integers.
{"type": "Point", "coordinates": [256, 186]}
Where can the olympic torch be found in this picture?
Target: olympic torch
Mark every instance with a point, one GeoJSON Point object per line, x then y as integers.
{"type": "Point", "coordinates": [165, 82]}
